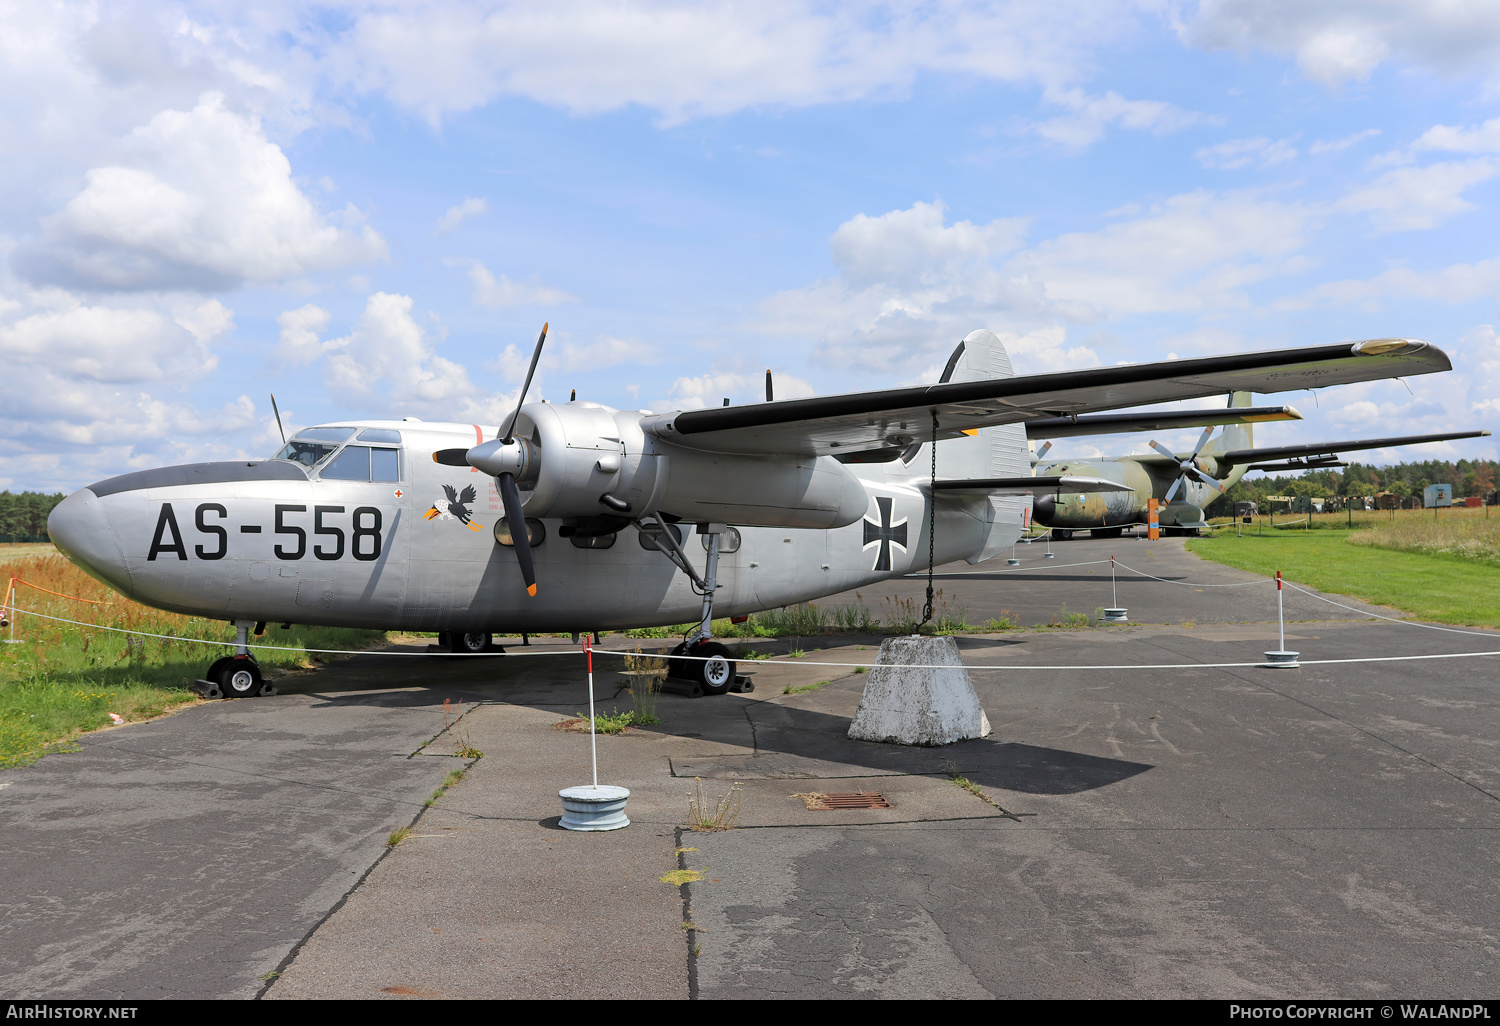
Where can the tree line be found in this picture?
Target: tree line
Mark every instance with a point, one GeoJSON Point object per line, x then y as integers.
{"type": "Point", "coordinates": [1468, 477]}
{"type": "Point", "coordinates": [23, 515]}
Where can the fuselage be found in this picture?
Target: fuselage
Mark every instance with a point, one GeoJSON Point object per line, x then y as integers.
{"type": "Point", "coordinates": [1140, 481]}
{"type": "Point", "coordinates": [401, 549]}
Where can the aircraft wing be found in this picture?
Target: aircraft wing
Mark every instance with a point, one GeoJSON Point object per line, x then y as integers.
{"type": "Point", "coordinates": [1031, 485]}
{"type": "Point", "coordinates": [1117, 423]}
{"type": "Point", "coordinates": [1290, 452]}
{"type": "Point", "coordinates": [860, 421]}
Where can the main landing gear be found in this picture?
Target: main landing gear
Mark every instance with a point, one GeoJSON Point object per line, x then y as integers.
{"type": "Point", "coordinates": [467, 642]}
{"type": "Point", "coordinates": [712, 671]}
{"type": "Point", "coordinates": [238, 675]}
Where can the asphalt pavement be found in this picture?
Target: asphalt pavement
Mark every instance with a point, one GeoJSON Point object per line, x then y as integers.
{"type": "Point", "coordinates": [1204, 832]}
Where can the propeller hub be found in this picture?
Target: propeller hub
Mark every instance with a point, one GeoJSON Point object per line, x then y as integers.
{"type": "Point", "coordinates": [516, 457]}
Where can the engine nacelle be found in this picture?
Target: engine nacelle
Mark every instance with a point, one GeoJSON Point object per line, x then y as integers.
{"type": "Point", "coordinates": [580, 452]}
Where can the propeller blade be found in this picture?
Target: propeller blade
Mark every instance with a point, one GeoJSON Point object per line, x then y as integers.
{"type": "Point", "coordinates": [769, 397]}
{"type": "Point", "coordinates": [450, 457]}
{"type": "Point", "coordinates": [516, 517]}
{"type": "Point", "coordinates": [278, 418]}
{"type": "Point", "coordinates": [536, 354]}
{"type": "Point", "coordinates": [1202, 441]}
{"type": "Point", "coordinates": [1043, 450]}
{"type": "Point", "coordinates": [1163, 450]}
{"type": "Point", "coordinates": [1173, 490]}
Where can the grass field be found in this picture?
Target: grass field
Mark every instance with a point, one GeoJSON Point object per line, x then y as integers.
{"type": "Point", "coordinates": [61, 680]}
{"type": "Point", "coordinates": [1437, 587]}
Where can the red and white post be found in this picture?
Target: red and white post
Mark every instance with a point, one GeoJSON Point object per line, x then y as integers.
{"type": "Point", "coordinates": [1281, 658]}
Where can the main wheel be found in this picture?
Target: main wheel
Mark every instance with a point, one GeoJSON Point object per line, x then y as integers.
{"type": "Point", "coordinates": [715, 672]}
{"type": "Point", "coordinates": [237, 676]}
{"type": "Point", "coordinates": [472, 642]}
{"type": "Point", "coordinates": [1062, 535]}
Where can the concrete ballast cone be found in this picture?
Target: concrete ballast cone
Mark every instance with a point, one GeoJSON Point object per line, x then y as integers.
{"type": "Point", "coordinates": [907, 704]}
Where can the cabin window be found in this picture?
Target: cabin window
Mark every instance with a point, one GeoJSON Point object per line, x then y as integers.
{"type": "Point", "coordinates": [648, 539]}
{"type": "Point", "coordinates": [385, 464]}
{"type": "Point", "coordinates": [536, 532]}
{"type": "Point", "coordinates": [729, 541]}
{"type": "Point", "coordinates": [313, 445]}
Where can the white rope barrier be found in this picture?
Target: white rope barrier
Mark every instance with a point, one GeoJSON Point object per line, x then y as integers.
{"type": "Point", "coordinates": [1011, 570]}
{"type": "Point", "coordinates": [790, 661]}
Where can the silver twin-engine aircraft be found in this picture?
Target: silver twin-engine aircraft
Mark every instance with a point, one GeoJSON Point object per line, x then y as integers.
{"type": "Point", "coordinates": [632, 518]}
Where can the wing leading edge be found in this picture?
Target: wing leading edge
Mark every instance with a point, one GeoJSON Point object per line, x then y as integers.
{"type": "Point", "coordinates": [1332, 449]}
{"type": "Point", "coordinates": [830, 425]}
{"type": "Point", "coordinates": [1031, 485]}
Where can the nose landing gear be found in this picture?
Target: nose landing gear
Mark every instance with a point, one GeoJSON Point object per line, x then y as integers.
{"type": "Point", "coordinates": [235, 676]}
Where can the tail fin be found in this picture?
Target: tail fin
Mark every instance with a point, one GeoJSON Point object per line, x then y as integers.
{"type": "Point", "coordinates": [1235, 436]}
{"type": "Point", "coordinates": [993, 451]}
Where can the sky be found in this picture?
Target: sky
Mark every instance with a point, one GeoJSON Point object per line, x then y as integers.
{"type": "Point", "coordinates": [370, 209]}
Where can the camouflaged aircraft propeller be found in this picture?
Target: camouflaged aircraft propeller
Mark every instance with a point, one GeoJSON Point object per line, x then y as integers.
{"type": "Point", "coordinates": [1189, 467]}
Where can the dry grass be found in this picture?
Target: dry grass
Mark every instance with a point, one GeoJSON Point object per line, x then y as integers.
{"type": "Point", "coordinates": [1467, 537]}
{"type": "Point", "coordinates": [66, 678]}
{"type": "Point", "coordinates": [723, 813]}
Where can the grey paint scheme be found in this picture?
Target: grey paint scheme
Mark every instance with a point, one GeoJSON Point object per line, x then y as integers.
{"type": "Point", "coordinates": [440, 575]}
{"type": "Point", "coordinates": [802, 515]}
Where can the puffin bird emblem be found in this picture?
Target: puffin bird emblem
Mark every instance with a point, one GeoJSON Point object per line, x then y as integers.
{"type": "Point", "coordinates": [454, 506]}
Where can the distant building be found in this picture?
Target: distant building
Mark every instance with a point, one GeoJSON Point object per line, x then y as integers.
{"type": "Point", "coordinates": [1437, 495]}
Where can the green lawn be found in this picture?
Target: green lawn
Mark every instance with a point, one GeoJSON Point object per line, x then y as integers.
{"type": "Point", "coordinates": [1443, 589]}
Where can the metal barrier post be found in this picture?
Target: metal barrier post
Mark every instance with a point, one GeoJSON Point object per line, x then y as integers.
{"type": "Point", "coordinates": [1281, 658]}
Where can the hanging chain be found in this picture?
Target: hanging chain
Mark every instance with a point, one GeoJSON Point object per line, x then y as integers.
{"type": "Point", "coordinates": [931, 524]}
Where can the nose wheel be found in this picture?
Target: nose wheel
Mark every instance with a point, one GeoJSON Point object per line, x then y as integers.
{"type": "Point", "coordinates": [236, 676]}
{"type": "Point", "coordinates": [713, 671]}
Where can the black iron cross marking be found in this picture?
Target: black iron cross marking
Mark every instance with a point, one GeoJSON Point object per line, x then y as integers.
{"type": "Point", "coordinates": [884, 533]}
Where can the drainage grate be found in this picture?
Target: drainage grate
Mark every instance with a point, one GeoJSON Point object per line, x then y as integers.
{"type": "Point", "coordinates": [849, 800]}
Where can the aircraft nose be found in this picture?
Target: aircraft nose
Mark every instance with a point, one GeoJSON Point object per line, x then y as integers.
{"type": "Point", "coordinates": [80, 529]}
{"type": "Point", "coordinates": [1042, 508]}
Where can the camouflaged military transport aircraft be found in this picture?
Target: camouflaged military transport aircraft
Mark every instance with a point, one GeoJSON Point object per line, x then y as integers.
{"type": "Point", "coordinates": [1182, 483]}
{"type": "Point", "coordinates": [409, 525]}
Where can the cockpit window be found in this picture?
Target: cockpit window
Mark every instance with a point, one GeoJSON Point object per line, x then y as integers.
{"type": "Point", "coordinates": [325, 434]}
{"type": "Point", "coordinates": [309, 454]}
{"type": "Point", "coordinates": [380, 435]}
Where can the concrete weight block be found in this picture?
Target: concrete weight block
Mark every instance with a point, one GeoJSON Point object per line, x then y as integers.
{"type": "Point", "coordinates": [919, 693]}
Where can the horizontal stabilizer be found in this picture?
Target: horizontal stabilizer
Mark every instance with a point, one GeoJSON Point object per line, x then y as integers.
{"type": "Point", "coordinates": [1291, 452]}
{"type": "Point", "coordinates": [886, 418]}
{"type": "Point", "coordinates": [1119, 423]}
{"type": "Point", "coordinates": [1031, 485]}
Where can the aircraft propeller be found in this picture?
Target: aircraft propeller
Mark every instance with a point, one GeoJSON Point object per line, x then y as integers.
{"type": "Point", "coordinates": [1188, 467]}
{"type": "Point", "coordinates": [503, 458]}
{"type": "Point", "coordinates": [1042, 451]}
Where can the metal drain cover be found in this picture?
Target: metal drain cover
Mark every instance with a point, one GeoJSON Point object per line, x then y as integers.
{"type": "Point", "coordinates": [847, 800]}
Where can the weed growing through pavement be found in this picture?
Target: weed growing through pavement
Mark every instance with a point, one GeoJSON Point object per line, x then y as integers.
{"type": "Point", "coordinates": [612, 722]}
{"type": "Point", "coordinates": [397, 836]}
{"type": "Point", "coordinates": [678, 877]}
{"type": "Point", "coordinates": [804, 689]}
{"type": "Point", "coordinates": [861, 669]}
{"type": "Point", "coordinates": [646, 676]}
{"type": "Point", "coordinates": [454, 717]}
{"type": "Point", "coordinates": [1069, 620]}
{"type": "Point", "coordinates": [453, 777]}
{"type": "Point", "coordinates": [723, 813]}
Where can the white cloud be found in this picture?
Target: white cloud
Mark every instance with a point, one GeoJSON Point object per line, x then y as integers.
{"type": "Point", "coordinates": [1483, 139]}
{"type": "Point", "coordinates": [390, 356]}
{"type": "Point", "coordinates": [501, 292]}
{"type": "Point", "coordinates": [77, 341]}
{"type": "Point", "coordinates": [1457, 283]}
{"type": "Point", "coordinates": [298, 342]}
{"type": "Point", "coordinates": [200, 200]}
{"type": "Point", "coordinates": [688, 60]}
{"type": "Point", "coordinates": [1193, 252]}
{"type": "Point", "coordinates": [909, 286]}
{"type": "Point", "coordinates": [704, 390]}
{"type": "Point", "coordinates": [1323, 146]}
{"type": "Point", "coordinates": [606, 351]}
{"type": "Point", "coordinates": [1339, 41]}
{"type": "Point", "coordinates": [1238, 153]}
{"type": "Point", "coordinates": [1410, 198]}
{"type": "Point", "coordinates": [457, 214]}
{"type": "Point", "coordinates": [1092, 115]}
